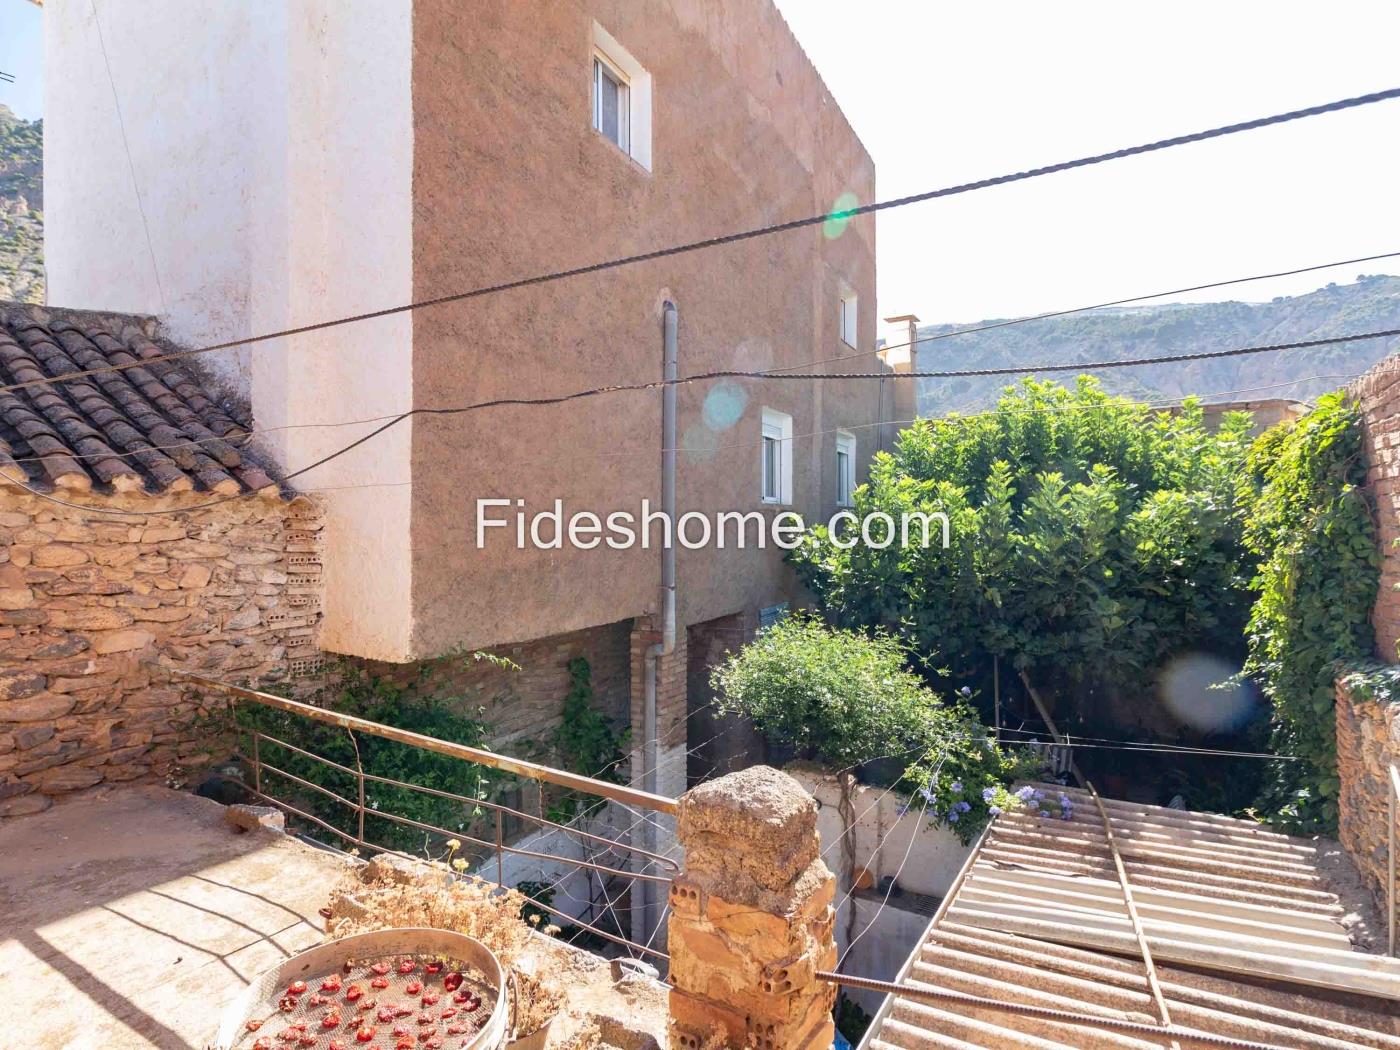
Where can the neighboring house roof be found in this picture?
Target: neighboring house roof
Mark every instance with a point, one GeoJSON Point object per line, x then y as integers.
{"type": "Point", "coordinates": [152, 428]}
{"type": "Point", "coordinates": [1245, 934]}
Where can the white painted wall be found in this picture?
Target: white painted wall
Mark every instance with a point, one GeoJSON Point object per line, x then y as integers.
{"type": "Point", "coordinates": [882, 838]}
{"type": "Point", "coordinates": [270, 147]}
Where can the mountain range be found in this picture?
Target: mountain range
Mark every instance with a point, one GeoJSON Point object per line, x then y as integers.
{"type": "Point", "coordinates": [1370, 303]}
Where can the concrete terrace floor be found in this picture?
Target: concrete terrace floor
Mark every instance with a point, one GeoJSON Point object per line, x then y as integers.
{"type": "Point", "coordinates": [130, 919]}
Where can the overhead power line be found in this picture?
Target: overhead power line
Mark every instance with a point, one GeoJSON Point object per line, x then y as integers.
{"type": "Point", "coordinates": [1100, 306]}
{"type": "Point", "coordinates": [505, 402]}
{"type": "Point", "coordinates": [750, 234]}
{"type": "Point", "coordinates": [264, 431]}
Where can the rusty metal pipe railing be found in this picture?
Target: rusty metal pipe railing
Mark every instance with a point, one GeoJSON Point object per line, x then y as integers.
{"type": "Point", "coordinates": [575, 920]}
{"type": "Point", "coordinates": [257, 735]}
{"type": "Point", "coordinates": [361, 806]}
{"type": "Point", "coordinates": [520, 767]}
{"type": "Point", "coordinates": [499, 845]}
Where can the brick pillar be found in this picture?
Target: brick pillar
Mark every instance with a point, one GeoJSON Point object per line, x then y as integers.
{"type": "Point", "coordinates": [670, 709]}
{"type": "Point", "coordinates": [751, 917]}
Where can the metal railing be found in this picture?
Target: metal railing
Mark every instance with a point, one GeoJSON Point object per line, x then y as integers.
{"type": "Point", "coordinates": [360, 808]}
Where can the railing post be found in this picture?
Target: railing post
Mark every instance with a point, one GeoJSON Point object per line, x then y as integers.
{"type": "Point", "coordinates": [257, 763]}
{"type": "Point", "coordinates": [360, 830]}
{"type": "Point", "coordinates": [500, 853]}
{"type": "Point", "coordinates": [751, 917]}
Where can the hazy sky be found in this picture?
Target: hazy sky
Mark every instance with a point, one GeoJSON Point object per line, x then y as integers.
{"type": "Point", "coordinates": [942, 93]}
{"type": "Point", "coordinates": [22, 56]}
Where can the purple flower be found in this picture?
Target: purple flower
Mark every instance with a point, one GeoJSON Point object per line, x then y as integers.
{"type": "Point", "coordinates": [957, 785]}
{"type": "Point", "coordinates": [988, 794]}
{"type": "Point", "coordinates": [1025, 793]}
{"type": "Point", "coordinates": [994, 810]}
{"type": "Point", "coordinates": [1033, 804]}
{"type": "Point", "coordinates": [963, 806]}
{"type": "Point", "coordinates": [953, 816]}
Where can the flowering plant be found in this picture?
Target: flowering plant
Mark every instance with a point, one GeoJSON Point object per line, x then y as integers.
{"type": "Point", "coordinates": [964, 783]}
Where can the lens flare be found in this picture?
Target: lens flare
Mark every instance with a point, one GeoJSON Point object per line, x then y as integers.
{"type": "Point", "coordinates": [839, 218]}
{"type": "Point", "coordinates": [724, 405]}
{"type": "Point", "coordinates": [1199, 689]}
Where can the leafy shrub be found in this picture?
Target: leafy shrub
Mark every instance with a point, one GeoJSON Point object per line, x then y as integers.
{"type": "Point", "coordinates": [837, 694]}
{"type": "Point", "coordinates": [1311, 526]}
{"type": "Point", "coordinates": [587, 742]}
{"type": "Point", "coordinates": [381, 699]}
{"type": "Point", "coordinates": [849, 698]}
{"type": "Point", "coordinates": [1090, 538]}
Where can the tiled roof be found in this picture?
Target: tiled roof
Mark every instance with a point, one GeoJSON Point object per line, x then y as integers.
{"type": "Point", "coordinates": [1244, 930]}
{"type": "Point", "coordinates": [152, 428]}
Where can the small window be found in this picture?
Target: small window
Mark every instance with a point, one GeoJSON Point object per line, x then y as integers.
{"type": "Point", "coordinates": [621, 97]}
{"type": "Point", "coordinates": [775, 462]}
{"type": "Point", "coordinates": [848, 319]}
{"type": "Point", "coordinates": [612, 107]}
{"type": "Point", "coordinates": [845, 469]}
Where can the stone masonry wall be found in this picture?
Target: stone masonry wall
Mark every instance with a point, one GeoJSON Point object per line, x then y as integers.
{"type": "Point", "coordinates": [1378, 395]}
{"type": "Point", "coordinates": [89, 599]}
{"type": "Point", "coordinates": [1368, 743]}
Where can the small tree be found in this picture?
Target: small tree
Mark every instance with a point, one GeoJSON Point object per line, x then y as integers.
{"type": "Point", "coordinates": [850, 698]}
{"type": "Point", "coordinates": [1090, 538]}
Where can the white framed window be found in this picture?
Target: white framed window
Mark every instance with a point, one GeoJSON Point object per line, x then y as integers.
{"type": "Point", "coordinates": [621, 97]}
{"type": "Point", "coordinates": [848, 318]}
{"type": "Point", "coordinates": [612, 105]}
{"type": "Point", "coordinates": [775, 459]}
{"type": "Point", "coordinates": [845, 468]}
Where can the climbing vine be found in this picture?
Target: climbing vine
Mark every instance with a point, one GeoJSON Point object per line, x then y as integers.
{"type": "Point", "coordinates": [1311, 527]}
{"type": "Point", "coordinates": [417, 705]}
{"type": "Point", "coordinates": [586, 742]}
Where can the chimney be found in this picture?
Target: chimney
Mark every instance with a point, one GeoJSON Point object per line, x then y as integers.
{"type": "Point", "coordinates": [898, 400]}
{"type": "Point", "coordinates": [899, 335]}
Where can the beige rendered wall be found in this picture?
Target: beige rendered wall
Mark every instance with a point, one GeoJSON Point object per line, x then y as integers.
{"type": "Point", "coordinates": [269, 146]}
{"type": "Point", "coordinates": [509, 180]}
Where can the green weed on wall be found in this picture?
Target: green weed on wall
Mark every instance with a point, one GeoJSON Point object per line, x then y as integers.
{"type": "Point", "coordinates": [1311, 525]}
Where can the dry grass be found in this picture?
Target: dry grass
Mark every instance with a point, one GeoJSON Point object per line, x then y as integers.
{"type": "Point", "coordinates": [381, 896]}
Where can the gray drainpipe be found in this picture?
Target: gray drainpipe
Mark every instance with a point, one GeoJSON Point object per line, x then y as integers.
{"type": "Point", "coordinates": [667, 644]}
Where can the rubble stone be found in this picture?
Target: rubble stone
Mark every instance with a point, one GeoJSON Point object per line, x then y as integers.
{"type": "Point", "coordinates": [84, 599]}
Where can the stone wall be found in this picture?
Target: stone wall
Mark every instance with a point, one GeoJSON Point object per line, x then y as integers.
{"type": "Point", "coordinates": [1368, 743]}
{"type": "Point", "coordinates": [1378, 395]}
{"type": "Point", "coordinates": [88, 600]}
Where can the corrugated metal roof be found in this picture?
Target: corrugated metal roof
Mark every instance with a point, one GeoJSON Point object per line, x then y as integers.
{"type": "Point", "coordinates": [1245, 933]}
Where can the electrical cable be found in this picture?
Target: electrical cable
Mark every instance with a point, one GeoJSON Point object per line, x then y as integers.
{"type": "Point", "coordinates": [990, 326]}
{"type": "Point", "coordinates": [732, 373]}
{"type": "Point", "coordinates": [840, 215]}
{"type": "Point", "coordinates": [1107, 744]}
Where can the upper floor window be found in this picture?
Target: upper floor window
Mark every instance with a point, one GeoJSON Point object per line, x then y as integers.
{"type": "Point", "coordinates": [848, 318]}
{"type": "Point", "coordinates": [621, 98]}
{"type": "Point", "coordinates": [611, 103]}
{"type": "Point", "coordinates": [775, 462]}
{"type": "Point", "coordinates": [845, 468]}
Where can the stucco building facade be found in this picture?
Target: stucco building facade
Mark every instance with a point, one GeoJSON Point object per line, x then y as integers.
{"type": "Point", "coordinates": [294, 163]}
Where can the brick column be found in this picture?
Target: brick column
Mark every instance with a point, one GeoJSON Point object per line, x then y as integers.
{"type": "Point", "coordinates": [670, 708]}
{"type": "Point", "coordinates": [751, 917]}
